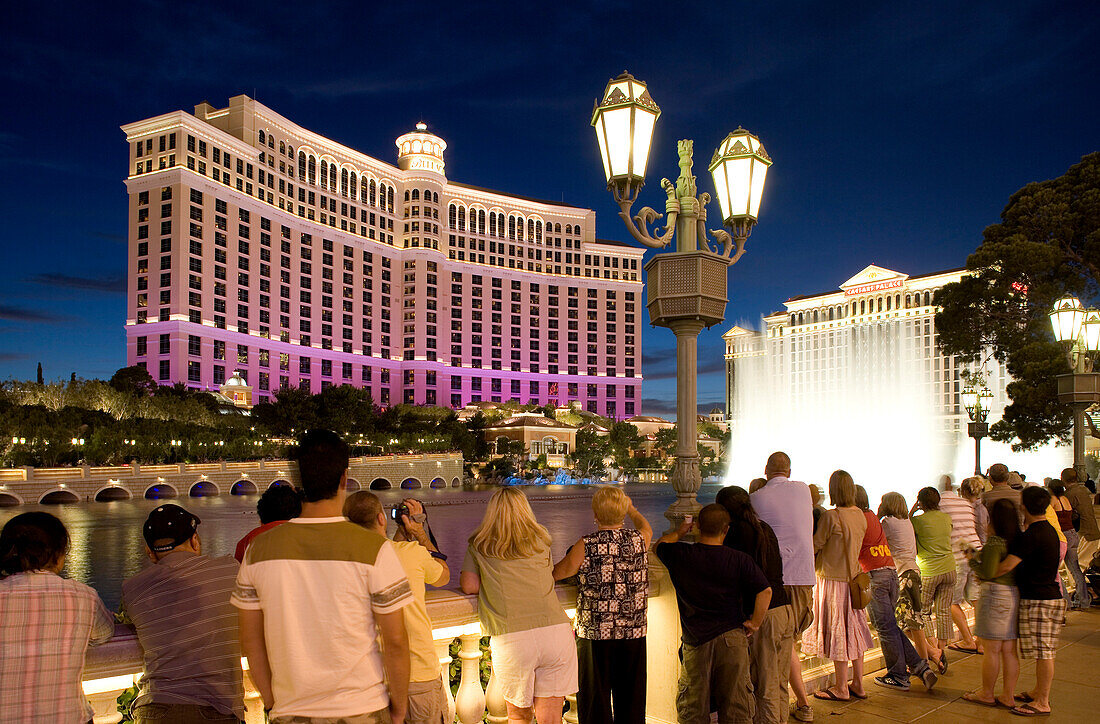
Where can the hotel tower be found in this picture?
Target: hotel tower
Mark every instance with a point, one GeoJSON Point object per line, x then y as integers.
{"type": "Point", "coordinates": [259, 247]}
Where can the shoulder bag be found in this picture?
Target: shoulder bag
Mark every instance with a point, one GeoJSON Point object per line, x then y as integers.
{"type": "Point", "coordinates": [859, 585]}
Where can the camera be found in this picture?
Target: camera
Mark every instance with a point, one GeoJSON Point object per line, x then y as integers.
{"type": "Point", "coordinates": [399, 510]}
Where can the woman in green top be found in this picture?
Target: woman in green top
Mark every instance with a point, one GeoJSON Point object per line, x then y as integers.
{"type": "Point", "coordinates": [508, 566]}
{"type": "Point", "coordinates": [997, 608]}
{"type": "Point", "coordinates": [937, 571]}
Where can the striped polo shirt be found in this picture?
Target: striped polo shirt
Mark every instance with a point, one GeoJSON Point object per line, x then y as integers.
{"type": "Point", "coordinates": [188, 632]}
{"type": "Point", "coordinates": [963, 524]}
{"type": "Point", "coordinates": [320, 582]}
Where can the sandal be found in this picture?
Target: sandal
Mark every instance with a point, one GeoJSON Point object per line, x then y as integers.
{"type": "Point", "coordinates": [1028, 710]}
{"type": "Point", "coordinates": [963, 649]}
{"type": "Point", "coordinates": [973, 699]}
{"type": "Point", "coordinates": [828, 695]}
{"type": "Point", "coordinates": [1024, 697]}
{"type": "Point", "coordinates": [857, 695]}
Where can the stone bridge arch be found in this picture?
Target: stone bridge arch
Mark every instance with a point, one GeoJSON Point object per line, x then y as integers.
{"type": "Point", "coordinates": [8, 499]}
{"type": "Point", "coordinates": [380, 484]}
{"type": "Point", "coordinates": [278, 481]}
{"type": "Point", "coordinates": [411, 484]}
{"type": "Point", "coordinates": [244, 486]}
{"type": "Point", "coordinates": [158, 491]}
{"type": "Point", "coordinates": [455, 482]}
{"type": "Point", "coordinates": [352, 485]}
{"type": "Point", "coordinates": [112, 492]}
{"type": "Point", "coordinates": [58, 496]}
{"type": "Point", "coordinates": [438, 483]}
{"type": "Point", "coordinates": [204, 489]}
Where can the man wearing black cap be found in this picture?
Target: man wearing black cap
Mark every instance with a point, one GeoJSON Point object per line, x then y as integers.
{"type": "Point", "coordinates": [185, 625]}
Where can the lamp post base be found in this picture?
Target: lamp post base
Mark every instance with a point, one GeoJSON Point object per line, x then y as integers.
{"type": "Point", "coordinates": [685, 481]}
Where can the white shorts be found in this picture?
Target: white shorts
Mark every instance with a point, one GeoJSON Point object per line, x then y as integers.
{"type": "Point", "coordinates": [539, 662]}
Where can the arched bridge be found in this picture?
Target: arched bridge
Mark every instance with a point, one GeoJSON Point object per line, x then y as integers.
{"type": "Point", "coordinates": [20, 486]}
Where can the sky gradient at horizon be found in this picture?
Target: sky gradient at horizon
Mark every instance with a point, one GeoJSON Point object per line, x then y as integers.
{"type": "Point", "coordinates": [898, 132]}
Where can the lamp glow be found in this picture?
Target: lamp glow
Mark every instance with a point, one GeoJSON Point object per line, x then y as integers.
{"type": "Point", "coordinates": [1066, 319]}
{"type": "Point", "coordinates": [740, 168]}
{"type": "Point", "coordinates": [624, 120]}
{"type": "Point", "coordinates": [1091, 331]}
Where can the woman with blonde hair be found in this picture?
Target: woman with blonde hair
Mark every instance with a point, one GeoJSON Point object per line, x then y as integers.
{"type": "Point", "coordinates": [508, 566]}
{"type": "Point", "coordinates": [839, 631]}
{"type": "Point", "coordinates": [894, 514]}
{"type": "Point", "coordinates": [612, 584]}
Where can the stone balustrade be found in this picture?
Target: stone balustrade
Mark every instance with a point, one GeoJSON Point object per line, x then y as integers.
{"type": "Point", "coordinates": [114, 666]}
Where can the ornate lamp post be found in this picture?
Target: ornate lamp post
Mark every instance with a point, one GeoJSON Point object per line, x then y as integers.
{"type": "Point", "coordinates": [1078, 329]}
{"type": "Point", "coordinates": [686, 288]}
{"type": "Point", "coordinates": [976, 403]}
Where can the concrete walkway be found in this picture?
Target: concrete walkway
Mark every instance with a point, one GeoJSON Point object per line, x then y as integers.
{"type": "Point", "coordinates": [1075, 695]}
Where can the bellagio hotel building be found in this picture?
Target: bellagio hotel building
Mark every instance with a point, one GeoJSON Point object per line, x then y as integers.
{"type": "Point", "coordinates": [258, 246]}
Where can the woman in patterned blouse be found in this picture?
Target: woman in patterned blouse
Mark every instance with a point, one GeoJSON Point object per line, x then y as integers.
{"type": "Point", "coordinates": [612, 585]}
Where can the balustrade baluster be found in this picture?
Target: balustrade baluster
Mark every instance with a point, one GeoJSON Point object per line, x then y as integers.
{"type": "Point", "coordinates": [572, 715]}
{"type": "Point", "coordinates": [443, 650]}
{"type": "Point", "coordinates": [470, 700]}
{"type": "Point", "coordinates": [494, 698]}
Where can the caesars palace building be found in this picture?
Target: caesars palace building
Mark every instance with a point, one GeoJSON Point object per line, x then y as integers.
{"type": "Point", "coordinates": [259, 247]}
{"type": "Point", "coordinates": [874, 336]}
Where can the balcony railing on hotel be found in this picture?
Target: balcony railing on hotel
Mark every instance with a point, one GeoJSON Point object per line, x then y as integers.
{"type": "Point", "coordinates": [116, 665]}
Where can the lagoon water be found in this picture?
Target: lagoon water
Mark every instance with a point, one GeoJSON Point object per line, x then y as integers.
{"type": "Point", "coordinates": [107, 545]}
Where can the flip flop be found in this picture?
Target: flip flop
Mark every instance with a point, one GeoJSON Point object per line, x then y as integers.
{"type": "Point", "coordinates": [828, 695]}
{"type": "Point", "coordinates": [862, 696]}
{"type": "Point", "coordinates": [973, 699]}
{"type": "Point", "coordinates": [1028, 710]}
{"type": "Point", "coordinates": [963, 649]}
{"type": "Point", "coordinates": [1024, 697]}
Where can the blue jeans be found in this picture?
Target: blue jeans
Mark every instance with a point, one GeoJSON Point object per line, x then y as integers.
{"type": "Point", "coordinates": [902, 660]}
{"type": "Point", "coordinates": [1084, 598]}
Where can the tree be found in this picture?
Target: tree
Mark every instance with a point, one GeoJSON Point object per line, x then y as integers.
{"type": "Point", "coordinates": [1046, 245]}
{"type": "Point", "coordinates": [133, 380]}
{"type": "Point", "coordinates": [589, 453]}
{"type": "Point", "coordinates": [665, 442]}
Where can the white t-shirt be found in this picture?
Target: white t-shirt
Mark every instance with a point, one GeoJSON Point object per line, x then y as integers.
{"type": "Point", "coordinates": [902, 541]}
{"type": "Point", "coordinates": [319, 582]}
{"type": "Point", "coordinates": [787, 507]}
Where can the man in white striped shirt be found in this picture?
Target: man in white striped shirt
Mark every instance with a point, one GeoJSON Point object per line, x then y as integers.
{"type": "Point", "coordinates": [964, 536]}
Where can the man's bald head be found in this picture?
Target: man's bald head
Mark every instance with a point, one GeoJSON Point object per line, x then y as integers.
{"type": "Point", "coordinates": [778, 464]}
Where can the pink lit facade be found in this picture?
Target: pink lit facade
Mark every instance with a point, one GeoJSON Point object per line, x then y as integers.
{"type": "Point", "coordinates": [258, 246]}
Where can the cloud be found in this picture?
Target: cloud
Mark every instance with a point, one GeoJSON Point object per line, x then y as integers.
{"type": "Point", "coordinates": [9, 313]}
{"type": "Point", "coordinates": [655, 406]}
{"type": "Point", "coordinates": [709, 366]}
{"type": "Point", "coordinates": [108, 236]}
{"type": "Point", "coordinates": [12, 356]}
{"type": "Point", "coordinates": [114, 283]}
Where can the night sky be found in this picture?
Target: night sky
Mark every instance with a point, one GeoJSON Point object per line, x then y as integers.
{"type": "Point", "coordinates": [898, 130]}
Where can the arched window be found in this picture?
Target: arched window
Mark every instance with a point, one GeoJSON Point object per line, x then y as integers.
{"type": "Point", "coordinates": [332, 177]}
{"type": "Point", "coordinates": [511, 227]}
{"type": "Point", "coordinates": [435, 197]}
{"type": "Point", "coordinates": [301, 165]}
{"type": "Point", "coordinates": [880, 304]}
{"type": "Point", "coordinates": [927, 299]}
{"type": "Point", "coordinates": [312, 170]}
{"type": "Point", "coordinates": [282, 146]}
{"type": "Point", "coordinates": [354, 185]}
{"type": "Point", "coordinates": [372, 192]}
{"type": "Point", "coordinates": [389, 199]}
{"type": "Point", "coordinates": [452, 216]}
{"type": "Point", "coordinates": [568, 228]}
{"type": "Point", "coordinates": [462, 218]}
{"type": "Point", "coordinates": [815, 316]}
{"type": "Point", "coordinates": [557, 228]}
{"type": "Point", "coordinates": [415, 195]}
{"type": "Point", "coordinates": [324, 173]}
{"type": "Point", "coordinates": [407, 196]}
{"type": "Point", "coordinates": [792, 320]}
{"type": "Point", "coordinates": [863, 306]}
{"type": "Point", "coordinates": [538, 232]}
{"type": "Point", "coordinates": [481, 221]}
{"type": "Point", "coordinates": [831, 311]}
{"type": "Point", "coordinates": [800, 318]}
{"type": "Point", "coordinates": [530, 230]}
{"type": "Point", "coordinates": [888, 302]}
{"type": "Point", "coordinates": [343, 182]}
{"type": "Point", "coordinates": [427, 196]}
{"type": "Point", "coordinates": [263, 138]}
{"type": "Point", "coordinates": [897, 302]}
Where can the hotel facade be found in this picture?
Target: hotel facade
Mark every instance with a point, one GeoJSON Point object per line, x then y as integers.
{"type": "Point", "coordinates": [258, 246]}
{"type": "Point", "coordinates": [875, 335]}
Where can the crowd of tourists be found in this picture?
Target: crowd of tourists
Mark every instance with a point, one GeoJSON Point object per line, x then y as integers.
{"type": "Point", "coordinates": [331, 615]}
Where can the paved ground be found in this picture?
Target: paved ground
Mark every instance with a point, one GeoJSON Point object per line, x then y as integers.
{"type": "Point", "coordinates": [1075, 696]}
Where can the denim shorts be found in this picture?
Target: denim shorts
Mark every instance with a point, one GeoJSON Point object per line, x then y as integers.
{"type": "Point", "coordinates": [997, 611]}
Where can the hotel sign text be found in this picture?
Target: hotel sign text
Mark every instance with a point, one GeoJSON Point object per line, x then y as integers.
{"type": "Point", "coordinates": [875, 287]}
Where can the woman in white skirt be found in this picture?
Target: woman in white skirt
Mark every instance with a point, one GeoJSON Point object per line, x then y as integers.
{"type": "Point", "coordinates": [997, 609]}
{"type": "Point", "coordinates": [839, 632]}
{"type": "Point", "coordinates": [534, 651]}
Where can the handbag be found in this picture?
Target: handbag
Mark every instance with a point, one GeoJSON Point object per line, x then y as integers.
{"type": "Point", "coordinates": [859, 585]}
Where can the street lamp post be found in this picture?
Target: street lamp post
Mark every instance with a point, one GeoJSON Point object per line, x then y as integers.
{"type": "Point", "coordinates": [686, 288]}
{"type": "Point", "coordinates": [976, 403]}
{"type": "Point", "coordinates": [1078, 329]}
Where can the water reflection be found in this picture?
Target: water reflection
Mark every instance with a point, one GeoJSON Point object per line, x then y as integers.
{"type": "Point", "coordinates": [107, 546]}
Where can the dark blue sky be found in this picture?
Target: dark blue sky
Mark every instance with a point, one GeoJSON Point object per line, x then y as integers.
{"type": "Point", "coordinates": [898, 130]}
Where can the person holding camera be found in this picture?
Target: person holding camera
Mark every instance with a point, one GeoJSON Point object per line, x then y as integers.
{"type": "Point", "coordinates": [424, 565]}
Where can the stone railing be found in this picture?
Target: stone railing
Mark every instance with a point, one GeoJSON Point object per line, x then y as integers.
{"type": "Point", "coordinates": [115, 666]}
